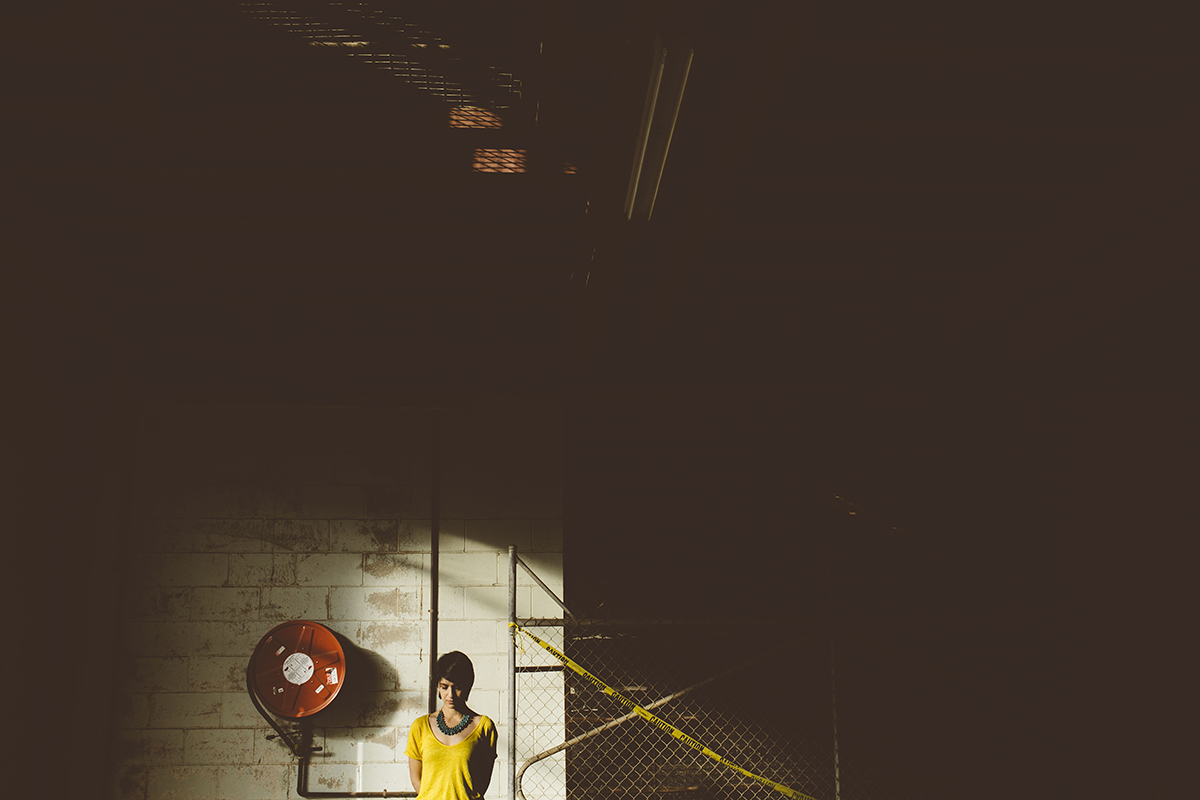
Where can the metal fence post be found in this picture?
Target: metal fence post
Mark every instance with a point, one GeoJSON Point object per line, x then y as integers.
{"type": "Point", "coordinates": [512, 672]}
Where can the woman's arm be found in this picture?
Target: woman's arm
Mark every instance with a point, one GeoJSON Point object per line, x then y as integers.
{"type": "Point", "coordinates": [414, 773]}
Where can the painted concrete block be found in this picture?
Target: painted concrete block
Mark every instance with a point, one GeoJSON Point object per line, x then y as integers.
{"type": "Point", "coordinates": [157, 675]}
{"type": "Point", "coordinates": [191, 569]}
{"type": "Point", "coordinates": [282, 603]}
{"type": "Point", "coordinates": [401, 636]}
{"type": "Point", "coordinates": [522, 601]}
{"type": "Point", "coordinates": [451, 602]}
{"type": "Point", "coordinates": [471, 502]}
{"type": "Point", "coordinates": [334, 777]}
{"type": "Point", "coordinates": [472, 569]}
{"type": "Point", "coordinates": [487, 702]}
{"type": "Point", "coordinates": [364, 536]}
{"type": "Point", "coordinates": [130, 783]}
{"type": "Point", "coordinates": [451, 536]}
{"type": "Point", "coordinates": [392, 777]}
{"type": "Point", "coordinates": [262, 569]}
{"type": "Point", "coordinates": [149, 747]}
{"type": "Point", "coordinates": [497, 534]}
{"type": "Point", "coordinates": [542, 605]}
{"type": "Point", "coordinates": [533, 502]}
{"type": "Point", "coordinates": [491, 671]}
{"type": "Point", "coordinates": [547, 535]}
{"type": "Point", "coordinates": [375, 709]}
{"type": "Point", "coordinates": [237, 711]}
{"type": "Point", "coordinates": [233, 604]}
{"type": "Point", "coordinates": [485, 602]}
{"type": "Point", "coordinates": [253, 782]}
{"type": "Point", "coordinates": [388, 669]}
{"type": "Point", "coordinates": [218, 746]}
{"type": "Point", "coordinates": [217, 673]}
{"type": "Point", "coordinates": [403, 569]}
{"type": "Point", "coordinates": [332, 502]}
{"type": "Point", "coordinates": [181, 783]}
{"type": "Point", "coordinates": [185, 710]}
{"type": "Point", "coordinates": [412, 672]}
{"type": "Point", "coordinates": [236, 638]}
{"type": "Point", "coordinates": [547, 566]}
{"type": "Point", "coordinates": [471, 636]}
{"type": "Point", "coordinates": [372, 603]}
{"type": "Point", "coordinates": [415, 533]}
{"type": "Point", "coordinates": [330, 569]}
{"type": "Point", "coordinates": [227, 535]}
{"type": "Point", "coordinates": [150, 604]}
{"type": "Point", "coordinates": [297, 535]}
{"type": "Point", "coordinates": [269, 751]}
{"type": "Point", "coordinates": [546, 779]}
{"type": "Point", "coordinates": [378, 745]}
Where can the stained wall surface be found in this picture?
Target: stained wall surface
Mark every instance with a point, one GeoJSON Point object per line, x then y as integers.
{"type": "Point", "coordinates": [245, 517]}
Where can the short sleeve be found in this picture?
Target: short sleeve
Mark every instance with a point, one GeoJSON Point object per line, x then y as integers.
{"type": "Point", "coordinates": [413, 750]}
{"type": "Point", "coordinates": [489, 736]}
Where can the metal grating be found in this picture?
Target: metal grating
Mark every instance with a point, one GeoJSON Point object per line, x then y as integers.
{"type": "Point", "coordinates": [383, 39]}
{"type": "Point", "coordinates": [493, 160]}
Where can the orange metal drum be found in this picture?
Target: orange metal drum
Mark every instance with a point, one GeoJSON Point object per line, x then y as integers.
{"type": "Point", "coordinates": [297, 669]}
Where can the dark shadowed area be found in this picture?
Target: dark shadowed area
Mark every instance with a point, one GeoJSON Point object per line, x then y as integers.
{"type": "Point", "coordinates": [926, 263]}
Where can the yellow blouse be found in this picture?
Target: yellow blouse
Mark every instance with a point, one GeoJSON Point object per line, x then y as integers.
{"type": "Point", "coordinates": [452, 772]}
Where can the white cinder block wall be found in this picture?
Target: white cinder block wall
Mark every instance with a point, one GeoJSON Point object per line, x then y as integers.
{"type": "Point", "coordinates": [245, 517]}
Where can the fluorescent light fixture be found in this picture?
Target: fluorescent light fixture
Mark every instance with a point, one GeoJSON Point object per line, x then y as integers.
{"type": "Point", "coordinates": [668, 78]}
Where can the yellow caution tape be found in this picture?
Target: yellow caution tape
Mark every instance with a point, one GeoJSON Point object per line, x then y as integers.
{"type": "Point", "coordinates": [666, 727]}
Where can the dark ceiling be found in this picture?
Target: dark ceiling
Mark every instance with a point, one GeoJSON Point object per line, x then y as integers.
{"type": "Point", "coordinates": [857, 196]}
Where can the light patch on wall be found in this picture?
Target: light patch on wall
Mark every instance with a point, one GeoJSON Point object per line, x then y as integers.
{"type": "Point", "coordinates": [473, 117]}
{"type": "Point", "coordinates": [570, 169]}
{"type": "Point", "coordinates": [489, 160]}
{"type": "Point", "coordinates": [340, 44]}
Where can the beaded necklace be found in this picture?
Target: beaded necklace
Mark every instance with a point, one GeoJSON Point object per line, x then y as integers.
{"type": "Point", "coordinates": [444, 728]}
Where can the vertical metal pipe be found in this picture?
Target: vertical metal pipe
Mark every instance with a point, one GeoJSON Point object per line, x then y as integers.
{"type": "Point", "coordinates": [837, 774]}
{"type": "Point", "coordinates": [512, 672]}
{"type": "Point", "coordinates": [435, 525]}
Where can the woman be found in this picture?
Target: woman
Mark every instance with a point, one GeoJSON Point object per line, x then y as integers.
{"type": "Point", "coordinates": [451, 753]}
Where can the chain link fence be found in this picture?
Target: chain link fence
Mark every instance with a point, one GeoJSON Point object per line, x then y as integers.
{"type": "Point", "coordinates": [850, 717]}
{"type": "Point", "coordinates": [753, 692]}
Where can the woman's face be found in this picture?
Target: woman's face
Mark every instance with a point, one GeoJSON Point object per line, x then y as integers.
{"type": "Point", "coordinates": [452, 695]}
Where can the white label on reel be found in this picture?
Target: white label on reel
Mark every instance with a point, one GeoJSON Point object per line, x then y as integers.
{"type": "Point", "coordinates": [297, 668]}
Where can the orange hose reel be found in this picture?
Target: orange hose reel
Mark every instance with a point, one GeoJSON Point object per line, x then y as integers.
{"type": "Point", "coordinates": [297, 669]}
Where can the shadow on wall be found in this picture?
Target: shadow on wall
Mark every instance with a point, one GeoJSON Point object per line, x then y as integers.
{"type": "Point", "coordinates": [370, 678]}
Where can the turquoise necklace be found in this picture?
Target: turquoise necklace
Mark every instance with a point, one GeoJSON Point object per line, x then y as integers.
{"type": "Point", "coordinates": [444, 728]}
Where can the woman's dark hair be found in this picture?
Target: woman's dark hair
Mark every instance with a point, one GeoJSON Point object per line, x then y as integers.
{"type": "Point", "coordinates": [456, 668]}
